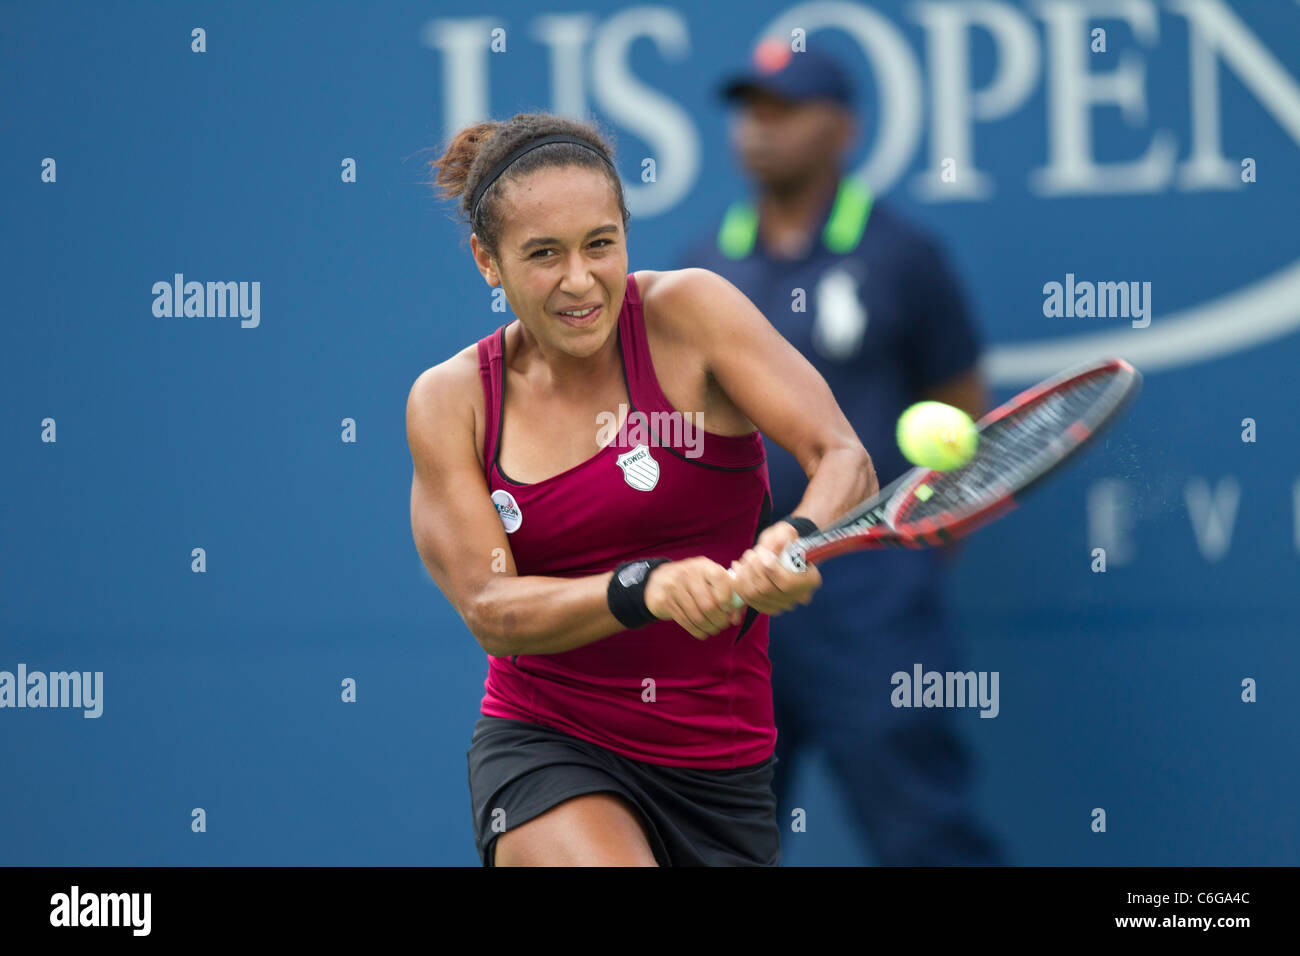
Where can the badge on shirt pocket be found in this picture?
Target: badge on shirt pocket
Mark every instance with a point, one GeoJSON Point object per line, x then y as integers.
{"type": "Point", "coordinates": [639, 469]}
{"type": "Point", "coordinates": [841, 317]}
{"type": "Point", "coordinates": [508, 509]}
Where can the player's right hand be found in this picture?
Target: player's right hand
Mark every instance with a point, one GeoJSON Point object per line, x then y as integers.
{"type": "Point", "coordinates": [694, 592]}
{"type": "Point", "coordinates": [764, 583]}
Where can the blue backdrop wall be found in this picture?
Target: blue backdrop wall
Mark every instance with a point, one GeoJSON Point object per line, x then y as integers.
{"type": "Point", "coordinates": [131, 156]}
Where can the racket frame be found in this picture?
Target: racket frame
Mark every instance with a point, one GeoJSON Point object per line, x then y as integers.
{"type": "Point", "coordinates": [879, 512]}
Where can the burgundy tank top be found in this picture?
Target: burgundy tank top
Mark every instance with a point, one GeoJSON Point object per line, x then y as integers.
{"type": "Point", "coordinates": [655, 693]}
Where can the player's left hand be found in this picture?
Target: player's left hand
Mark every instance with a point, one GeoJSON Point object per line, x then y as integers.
{"type": "Point", "coordinates": [763, 583]}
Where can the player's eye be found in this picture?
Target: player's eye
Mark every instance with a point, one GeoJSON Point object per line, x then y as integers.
{"type": "Point", "coordinates": [594, 243]}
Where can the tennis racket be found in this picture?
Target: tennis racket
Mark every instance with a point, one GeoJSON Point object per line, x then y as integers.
{"type": "Point", "coordinates": [1021, 442]}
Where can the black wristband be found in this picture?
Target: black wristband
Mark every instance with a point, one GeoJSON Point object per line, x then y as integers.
{"type": "Point", "coordinates": [805, 526]}
{"type": "Point", "coordinates": [626, 594]}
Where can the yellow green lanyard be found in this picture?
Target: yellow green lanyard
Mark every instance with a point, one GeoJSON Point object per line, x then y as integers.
{"type": "Point", "coordinates": [843, 231]}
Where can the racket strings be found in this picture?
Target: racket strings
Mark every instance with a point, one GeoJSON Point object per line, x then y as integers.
{"type": "Point", "coordinates": [1014, 449]}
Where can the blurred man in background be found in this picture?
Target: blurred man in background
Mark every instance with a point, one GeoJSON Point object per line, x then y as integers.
{"type": "Point", "coordinates": [870, 301]}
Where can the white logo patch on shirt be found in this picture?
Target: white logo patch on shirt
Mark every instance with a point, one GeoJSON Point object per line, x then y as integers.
{"type": "Point", "coordinates": [841, 318]}
{"type": "Point", "coordinates": [639, 469]}
{"type": "Point", "coordinates": [508, 509]}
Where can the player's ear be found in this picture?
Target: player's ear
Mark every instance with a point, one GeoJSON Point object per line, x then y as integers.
{"type": "Point", "coordinates": [486, 264]}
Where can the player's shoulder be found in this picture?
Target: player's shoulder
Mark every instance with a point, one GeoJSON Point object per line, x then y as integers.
{"type": "Point", "coordinates": [449, 377]}
{"type": "Point", "coordinates": [691, 289]}
{"type": "Point", "coordinates": [681, 302]}
{"type": "Point", "coordinates": [446, 396]}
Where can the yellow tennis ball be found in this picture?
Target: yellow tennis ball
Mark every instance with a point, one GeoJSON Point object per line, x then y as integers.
{"type": "Point", "coordinates": [938, 436]}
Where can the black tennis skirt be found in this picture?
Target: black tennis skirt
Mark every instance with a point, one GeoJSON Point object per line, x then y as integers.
{"type": "Point", "coordinates": [519, 770]}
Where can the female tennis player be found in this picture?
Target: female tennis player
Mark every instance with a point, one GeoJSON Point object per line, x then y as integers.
{"type": "Point", "coordinates": [627, 713]}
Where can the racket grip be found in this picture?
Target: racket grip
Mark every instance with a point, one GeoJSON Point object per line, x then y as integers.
{"type": "Point", "coordinates": [736, 600]}
{"type": "Point", "coordinates": [792, 558]}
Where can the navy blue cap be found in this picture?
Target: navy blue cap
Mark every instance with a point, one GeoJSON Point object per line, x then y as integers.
{"type": "Point", "coordinates": [807, 75]}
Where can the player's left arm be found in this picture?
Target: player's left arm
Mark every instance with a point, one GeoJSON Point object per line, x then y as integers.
{"type": "Point", "coordinates": [774, 386]}
{"type": "Point", "coordinates": [786, 398]}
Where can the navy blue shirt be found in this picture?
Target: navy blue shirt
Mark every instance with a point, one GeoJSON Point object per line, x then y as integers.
{"type": "Point", "coordinates": [878, 312]}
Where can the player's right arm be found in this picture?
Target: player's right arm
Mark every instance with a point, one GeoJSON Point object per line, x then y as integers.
{"type": "Point", "coordinates": [462, 543]}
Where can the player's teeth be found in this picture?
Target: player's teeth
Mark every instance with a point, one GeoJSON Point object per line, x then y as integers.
{"type": "Point", "coordinates": [580, 314]}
